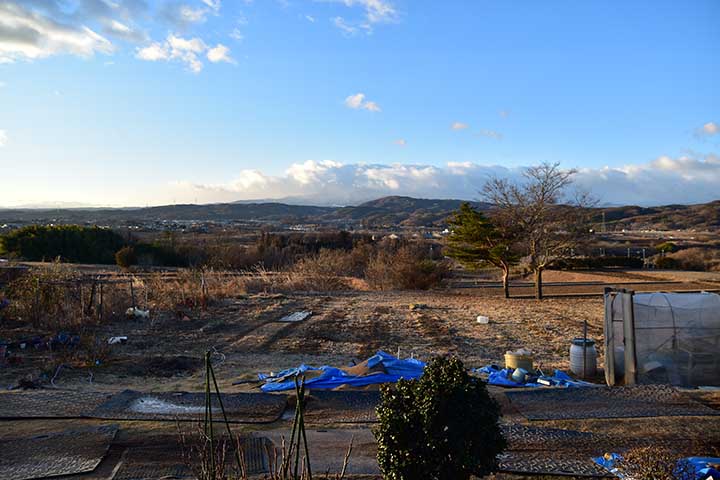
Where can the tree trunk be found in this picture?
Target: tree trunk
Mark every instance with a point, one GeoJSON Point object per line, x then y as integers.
{"type": "Point", "coordinates": [538, 284]}
{"type": "Point", "coordinates": [506, 282]}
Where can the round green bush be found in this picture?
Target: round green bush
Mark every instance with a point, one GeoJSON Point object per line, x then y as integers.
{"type": "Point", "coordinates": [126, 257]}
{"type": "Point", "coordinates": [443, 426]}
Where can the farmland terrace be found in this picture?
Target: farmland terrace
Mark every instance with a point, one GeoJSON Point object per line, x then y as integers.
{"type": "Point", "coordinates": [163, 355]}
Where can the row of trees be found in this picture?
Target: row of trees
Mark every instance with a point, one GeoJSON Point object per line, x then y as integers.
{"type": "Point", "coordinates": [534, 220]}
{"type": "Point", "coordinates": [72, 243]}
{"type": "Point", "coordinates": [81, 244]}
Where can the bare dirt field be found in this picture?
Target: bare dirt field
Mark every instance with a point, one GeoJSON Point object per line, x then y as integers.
{"type": "Point", "coordinates": [165, 350]}
{"type": "Point", "coordinates": [164, 354]}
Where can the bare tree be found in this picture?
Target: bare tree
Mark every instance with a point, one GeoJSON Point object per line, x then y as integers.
{"type": "Point", "coordinates": [550, 224]}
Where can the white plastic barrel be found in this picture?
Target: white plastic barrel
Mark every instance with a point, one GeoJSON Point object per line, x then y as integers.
{"type": "Point", "coordinates": [576, 358]}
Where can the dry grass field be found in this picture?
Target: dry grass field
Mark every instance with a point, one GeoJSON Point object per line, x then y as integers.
{"type": "Point", "coordinates": [164, 354]}
{"type": "Point", "coordinates": [165, 350]}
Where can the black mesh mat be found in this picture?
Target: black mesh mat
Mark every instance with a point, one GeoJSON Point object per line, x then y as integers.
{"type": "Point", "coordinates": [239, 407]}
{"type": "Point", "coordinates": [606, 402]}
{"type": "Point", "coordinates": [140, 463]}
{"type": "Point", "coordinates": [65, 453]}
{"type": "Point", "coordinates": [152, 471]}
{"type": "Point", "coordinates": [49, 403]}
{"type": "Point", "coordinates": [152, 462]}
{"type": "Point", "coordinates": [551, 451]}
{"type": "Point", "coordinates": [528, 437]}
{"type": "Point", "coordinates": [341, 406]}
{"type": "Point", "coordinates": [550, 463]}
{"type": "Point", "coordinates": [255, 451]}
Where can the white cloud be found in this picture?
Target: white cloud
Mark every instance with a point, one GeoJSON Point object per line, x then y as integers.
{"type": "Point", "coordinates": [120, 27]}
{"type": "Point", "coordinates": [237, 35]}
{"type": "Point", "coordinates": [376, 11]}
{"type": "Point", "coordinates": [666, 180]}
{"type": "Point", "coordinates": [3, 138]}
{"type": "Point", "coordinates": [459, 126]}
{"type": "Point", "coordinates": [181, 15]}
{"type": "Point", "coordinates": [220, 53]}
{"type": "Point", "coordinates": [3, 84]}
{"type": "Point", "coordinates": [358, 101]}
{"type": "Point", "coordinates": [710, 129]}
{"type": "Point", "coordinates": [504, 113]}
{"type": "Point", "coordinates": [345, 27]}
{"type": "Point", "coordinates": [121, 30]}
{"type": "Point", "coordinates": [213, 4]}
{"type": "Point", "coordinates": [185, 50]}
{"type": "Point", "coordinates": [372, 106]}
{"type": "Point", "coordinates": [193, 15]}
{"type": "Point", "coordinates": [153, 52]}
{"type": "Point", "coordinates": [310, 171]}
{"type": "Point", "coordinates": [491, 134]}
{"type": "Point", "coordinates": [28, 35]}
{"type": "Point", "coordinates": [310, 18]}
{"type": "Point", "coordinates": [400, 141]}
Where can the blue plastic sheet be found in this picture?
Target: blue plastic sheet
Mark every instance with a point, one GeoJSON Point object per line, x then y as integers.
{"type": "Point", "coordinates": [332, 377]}
{"type": "Point", "coordinates": [289, 372]}
{"type": "Point", "coordinates": [501, 377]}
{"type": "Point", "coordinates": [702, 469]}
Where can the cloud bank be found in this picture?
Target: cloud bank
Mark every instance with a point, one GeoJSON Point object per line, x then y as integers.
{"type": "Point", "coordinates": [687, 179]}
{"type": "Point", "coordinates": [29, 35]}
{"type": "Point", "coordinates": [37, 29]}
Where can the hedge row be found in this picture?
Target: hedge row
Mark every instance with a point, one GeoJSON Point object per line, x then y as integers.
{"type": "Point", "coordinates": [593, 263]}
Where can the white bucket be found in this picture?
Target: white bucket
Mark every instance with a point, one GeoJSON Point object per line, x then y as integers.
{"type": "Point", "coordinates": [519, 375]}
{"type": "Point", "coordinates": [588, 368]}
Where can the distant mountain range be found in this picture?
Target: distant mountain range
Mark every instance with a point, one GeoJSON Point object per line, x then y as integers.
{"type": "Point", "coordinates": [386, 211]}
{"type": "Point", "coordinates": [704, 216]}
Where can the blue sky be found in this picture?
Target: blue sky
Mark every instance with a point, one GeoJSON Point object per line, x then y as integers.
{"type": "Point", "coordinates": [134, 102]}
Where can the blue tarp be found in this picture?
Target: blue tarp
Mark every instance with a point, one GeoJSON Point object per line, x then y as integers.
{"type": "Point", "coordinates": [332, 377]}
{"type": "Point", "coordinates": [501, 377]}
{"type": "Point", "coordinates": [703, 471]}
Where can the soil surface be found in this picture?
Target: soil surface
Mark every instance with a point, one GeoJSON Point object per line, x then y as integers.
{"type": "Point", "coordinates": [165, 353]}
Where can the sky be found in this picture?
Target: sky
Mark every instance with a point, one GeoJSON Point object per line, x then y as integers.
{"type": "Point", "coordinates": [141, 102]}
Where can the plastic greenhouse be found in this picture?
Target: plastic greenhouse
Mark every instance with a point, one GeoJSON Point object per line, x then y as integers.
{"type": "Point", "coordinates": [671, 338]}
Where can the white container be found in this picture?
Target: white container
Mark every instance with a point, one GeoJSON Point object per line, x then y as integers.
{"type": "Point", "coordinates": [519, 375]}
{"type": "Point", "coordinates": [576, 358]}
{"type": "Point", "coordinates": [482, 319]}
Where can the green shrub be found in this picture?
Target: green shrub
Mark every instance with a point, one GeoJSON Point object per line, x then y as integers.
{"type": "Point", "coordinates": [666, 247]}
{"type": "Point", "coordinates": [594, 263]}
{"type": "Point", "coordinates": [443, 426]}
{"type": "Point", "coordinates": [125, 257]}
{"type": "Point", "coordinates": [666, 263]}
{"type": "Point", "coordinates": [70, 243]}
